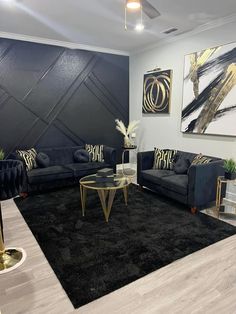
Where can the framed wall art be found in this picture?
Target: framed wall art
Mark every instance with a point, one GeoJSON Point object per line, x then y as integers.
{"type": "Point", "coordinates": [157, 92]}
{"type": "Point", "coordinates": [209, 91]}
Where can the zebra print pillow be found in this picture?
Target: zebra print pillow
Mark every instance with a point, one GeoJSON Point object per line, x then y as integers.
{"type": "Point", "coordinates": [163, 158]}
{"type": "Point", "coordinates": [200, 159]}
{"type": "Point", "coordinates": [28, 157]}
{"type": "Point", "coordinates": [95, 152]}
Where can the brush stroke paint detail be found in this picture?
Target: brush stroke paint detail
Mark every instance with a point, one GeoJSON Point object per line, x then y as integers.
{"type": "Point", "coordinates": [209, 95]}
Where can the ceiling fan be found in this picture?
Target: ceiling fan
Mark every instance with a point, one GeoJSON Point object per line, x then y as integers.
{"type": "Point", "coordinates": [147, 8]}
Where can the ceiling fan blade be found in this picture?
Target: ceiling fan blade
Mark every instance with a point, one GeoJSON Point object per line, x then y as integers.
{"type": "Point", "coordinates": [149, 10]}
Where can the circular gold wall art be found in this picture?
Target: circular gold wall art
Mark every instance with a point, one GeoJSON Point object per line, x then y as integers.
{"type": "Point", "coordinates": [156, 92]}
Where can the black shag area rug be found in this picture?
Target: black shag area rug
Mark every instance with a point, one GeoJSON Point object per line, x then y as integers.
{"type": "Point", "coordinates": [92, 258]}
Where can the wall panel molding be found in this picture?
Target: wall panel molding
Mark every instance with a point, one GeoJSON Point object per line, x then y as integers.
{"type": "Point", "coordinates": [55, 96]}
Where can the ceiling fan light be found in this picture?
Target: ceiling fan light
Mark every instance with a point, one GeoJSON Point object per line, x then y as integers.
{"type": "Point", "coordinates": [139, 27]}
{"type": "Point", "coordinates": [133, 4]}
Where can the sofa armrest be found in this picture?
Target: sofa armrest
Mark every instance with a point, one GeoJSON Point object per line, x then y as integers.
{"type": "Point", "coordinates": [14, 156]}
{"type": "Point", "coordinates": [144, 161]}
{"type": "Point", "coordinates": [202, 182]}
{"type": "Point", "coordinates": [109, 154]}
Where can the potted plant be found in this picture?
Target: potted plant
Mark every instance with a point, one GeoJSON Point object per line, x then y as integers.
{"type": "Point", "coordinates": [230, 169]}
{"type": "Point", "coordinates": [2, 154]}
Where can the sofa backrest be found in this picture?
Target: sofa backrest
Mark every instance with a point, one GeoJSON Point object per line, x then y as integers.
{"type": "Point", "coordinates": [190, 156]}
{"type": "Point", "coordinates": [60, 155]}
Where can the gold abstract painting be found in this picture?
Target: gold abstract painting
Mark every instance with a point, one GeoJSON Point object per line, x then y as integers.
{"type": "Point", "coordinates": [157, 92]}
{"type": "Point", "coordinates": [209, 91]}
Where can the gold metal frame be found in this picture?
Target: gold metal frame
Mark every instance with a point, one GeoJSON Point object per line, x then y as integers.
{"type": "Point", "coordinates": [124, 170]}
{"type": "Point", "coordinates": [155, 79]}
{"type": "Point", "coordinates": [220, 181]}
{"type": "Point", "coordinates": [10, 258]}
{"type": "Point", "coordinates": [106, 194]}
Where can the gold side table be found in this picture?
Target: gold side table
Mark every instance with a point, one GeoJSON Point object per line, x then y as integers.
{"type": "Point", "coordinates": [221, 181]}
{"type": "Point", "coordinates": [128, 172]}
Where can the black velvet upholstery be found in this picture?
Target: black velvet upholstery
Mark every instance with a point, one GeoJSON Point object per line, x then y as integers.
{"type": "Point", "coordinates": [42, 160]}
{"type": "Point", "coordinates": [11, 178]}
{"type": "Point", "coordinates": [83, 169]}
{"type": "Point", "coordinates": [202, 182]}
{"type": "Point", "coordinates": [181, 166]}
{"type": "Point", "coordinates": [81, 155]}
{"type": "Point", "coordinates": [155, 175]}
{"type": "Point", "coordinates": [63, 169]}
{"type": "Point", "coordinates": [177, 183]}
{"type": "Point", "coordinates": [92, 258]}
{"type": "Point", "coordinates": [48, 174]}
{"type": "Point", "coordinates": [197, 188]}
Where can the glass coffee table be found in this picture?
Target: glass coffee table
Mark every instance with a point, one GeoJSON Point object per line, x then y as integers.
{"type": "Point", "coordinates": [106, 191]}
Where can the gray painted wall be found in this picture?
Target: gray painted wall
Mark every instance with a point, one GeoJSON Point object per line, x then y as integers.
{"type": "Point", "coordinates": [164, 130]}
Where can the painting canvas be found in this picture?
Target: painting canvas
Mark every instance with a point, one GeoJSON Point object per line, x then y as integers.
{"type": "Point", "coordinates": [209, 91]}
{"type": "Point", "coordinates": [157, 92]}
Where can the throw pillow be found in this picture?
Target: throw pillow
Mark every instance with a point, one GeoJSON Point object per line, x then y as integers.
{"type": "Point", "coordinates": [81, 155]}
{"type": "Point", "coordinates": [200, 159]}
{"type": "Point", "coordinates": [42, 159]}
{"type": "Point", "coordinates": [95, 152]}
{"type": "Point", "coordinates": [181, 166]}
{"type": "Point", "coordinates": [163, 158]}
{"type": "Point", "coordinates": [28, 157]}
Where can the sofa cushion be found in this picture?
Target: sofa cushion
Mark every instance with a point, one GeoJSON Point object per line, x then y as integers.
{"type": "Point", "coordinates": [41, 175]}
{"type": "Point", "coordinates": [200, 159]}
{"type": "Point", "coordinates": [95, 152]}
{"type": "Point", "coordinates": [163, 158]}
{"type": "Point", "coordinates": [28, 157]}
{"type": "Point", "coordinates": [42, 160]}
{"type": "Point", "coordinates": [177, 183]}
{"type": "Point", "coordinates": [60, 155]}
{"type": "Point", "coordinates": [181, 166]}
{"type": "Point", "coordinates": [81, 155]}
{"type": "Point", "coordinates": [184, 155]}
{"type": "Point", "coordinates": [155, 175]}
{"type": "Point", "coordinates": [84, 169]}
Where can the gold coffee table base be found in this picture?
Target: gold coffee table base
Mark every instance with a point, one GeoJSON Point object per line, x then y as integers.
{"type": "Point", "coordinates": [106, 194]}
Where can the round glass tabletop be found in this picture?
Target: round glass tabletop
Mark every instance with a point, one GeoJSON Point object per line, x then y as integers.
{"type": "Point", "coordinates": [91, 182]}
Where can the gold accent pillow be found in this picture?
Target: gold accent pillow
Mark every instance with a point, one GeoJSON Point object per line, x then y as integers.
{"type": "Point", "coordinates": [28, 157]}
{"type": "Point", "coordinates": [95, 152]}
{"type": "Point", "coordinates": [163, 158]}
{"type": "Point", "coordinates": [200, 159]}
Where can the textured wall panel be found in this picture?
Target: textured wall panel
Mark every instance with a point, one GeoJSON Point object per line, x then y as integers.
{"type": "Point", "coordinates": [54, 96]}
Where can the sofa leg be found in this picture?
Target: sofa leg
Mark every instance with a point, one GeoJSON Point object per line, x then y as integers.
{"type": "Point", "coordinates": [193, 210]}
{"type": "Point", "coordinates": [24, 194]}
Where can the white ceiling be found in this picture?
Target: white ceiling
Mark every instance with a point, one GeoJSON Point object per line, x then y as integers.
{"type": "Point", "coordinates": [101, 22]}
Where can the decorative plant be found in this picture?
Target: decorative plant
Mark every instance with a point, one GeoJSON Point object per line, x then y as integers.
{"type": "Point", "coordinates": [2, 154]}
{"type": "Point", "coordinates": [127, 131]}
{"type": "Point", "coordinates": [230, 165]}
{"type": "Point", "coordinates": [230, 169]}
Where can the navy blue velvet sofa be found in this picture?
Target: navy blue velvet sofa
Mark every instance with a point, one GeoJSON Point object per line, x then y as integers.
{"type": "Point", "coordinates": [63, 170]}
{"type": "Point", "coordinates": [196, 189]}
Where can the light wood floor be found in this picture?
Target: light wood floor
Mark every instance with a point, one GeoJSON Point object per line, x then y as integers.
{"type": "Point", "coordinates": [204, 282]}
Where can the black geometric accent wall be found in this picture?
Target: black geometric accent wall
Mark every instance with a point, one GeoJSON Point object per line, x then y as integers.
{"type": "Point", "coordinates": [53, 96]}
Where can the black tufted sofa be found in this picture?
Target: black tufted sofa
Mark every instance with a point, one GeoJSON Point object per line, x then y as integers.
{"type": "Point", "coordinates": [196, 189]}
{"type": "Point", "coordinates": [63, 169]}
